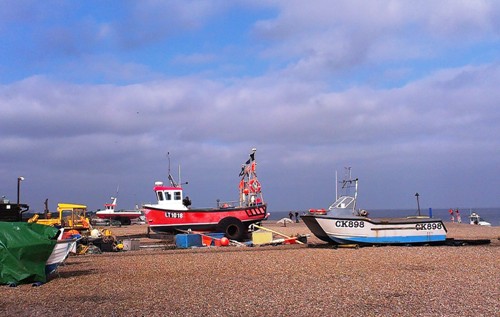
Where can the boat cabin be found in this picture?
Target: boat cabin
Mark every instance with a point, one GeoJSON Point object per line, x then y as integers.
{"type": "Point", "coordinates": [345, 203]}
{"type": "Point", "coordinates": [111, 207]}
{"type": "Point", "coordinates": [169, 197]}
{"type": "Point", "coordinates": [11, 211]}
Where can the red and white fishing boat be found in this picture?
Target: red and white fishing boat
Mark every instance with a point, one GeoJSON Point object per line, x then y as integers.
{"type": "Point", "coordinates": [172, 213]}
{"type": "Point", "coordinates": [124, 216]}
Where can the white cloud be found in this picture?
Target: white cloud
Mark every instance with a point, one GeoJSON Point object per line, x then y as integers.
{"type": "Point", "coordinates": [76, 139]}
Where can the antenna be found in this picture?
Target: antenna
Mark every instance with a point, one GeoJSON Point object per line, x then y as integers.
{"type": "Point", "coordinates": [348, 171]}
{"type": "Point", "coordinates": [168, 157]}
{"type": "Point", "coordinates": [170, 178]}
{"type": "Point", "coordinates": [336, 187]}
{"type": "Point", "coordinates": [113, 199]}
{"type": "Point", "coordinates": [180, 183]}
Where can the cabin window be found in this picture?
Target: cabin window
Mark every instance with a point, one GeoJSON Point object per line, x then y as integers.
{"type": "Point", "coordinates": [177, 195]}
{"type": "Point", "coordinates": [79, 212]}
{"type": "Point", "coordinates": [345, 202]}
{"type": "Point", "coordinates": [160, 196]}
{"type": "Point", "coordinates": [66, 213]}
{"type": "Point", "coordinates": [348, 203]}
{"type": "Point", "coordinates": [168, 195]}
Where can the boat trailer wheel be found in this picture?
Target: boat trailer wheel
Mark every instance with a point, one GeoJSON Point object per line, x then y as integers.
{"type": "Point", "coordinates": [233, 228]}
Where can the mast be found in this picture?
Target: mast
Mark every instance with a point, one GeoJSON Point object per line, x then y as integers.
{"type": "Point", "coordinates": [249, 187]}
{"type": "Point", "coordinates": [336, 187]}
{"type": "Point", "coordinates": [168, 157]}
{"type": "Point", "coordinates": [180, 183]}
{"type": "Point", "coordinates": [170, 178]}
{"type": "Point", "coordinates": [355, 194]}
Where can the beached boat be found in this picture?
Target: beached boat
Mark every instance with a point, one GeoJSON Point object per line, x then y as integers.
{"type": "Point", "coordinates": [475, 219]}
{"type": "Point", "coordinates": [60, 252]}
{"type": "Point", "coordinates": [11, 211]}
{"type": "Point", "coordinates": [28, 252]}
{"type": "Point", "coordinates": [173, 211]}
{"type": "Point", "coordinates": [342, 223]}
{"type": "Point", "coordinates": [125, 217]}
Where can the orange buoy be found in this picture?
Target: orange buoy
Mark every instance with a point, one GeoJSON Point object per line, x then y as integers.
{"type": "Point", "coordinates": [224, 241]}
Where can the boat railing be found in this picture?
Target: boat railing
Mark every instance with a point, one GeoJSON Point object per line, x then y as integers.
{"type": "Point", "coordinates": [228, 204]}
{"type": "Point", "coordinates": [235, 204]}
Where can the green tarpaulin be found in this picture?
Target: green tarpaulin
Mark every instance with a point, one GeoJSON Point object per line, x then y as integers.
{"type": "Point", "coordinates": [24, 249]}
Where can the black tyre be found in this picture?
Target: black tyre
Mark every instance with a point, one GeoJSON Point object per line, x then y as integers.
{"type": "Point", "coordinates": [232, 228]}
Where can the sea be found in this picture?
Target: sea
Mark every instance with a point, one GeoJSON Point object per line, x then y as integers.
{"type": "Point", "coordinates": [491, 215]}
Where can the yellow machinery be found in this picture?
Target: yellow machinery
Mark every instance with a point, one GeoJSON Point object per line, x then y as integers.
{"type": "Point", "coordinates": [69, 216]}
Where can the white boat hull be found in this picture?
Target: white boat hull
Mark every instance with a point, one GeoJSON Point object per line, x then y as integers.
{"type": "Point", "coordinates": [59, 254]}
{"type": "Point", "coordinates": [118, 214]}
{"type": "Point", "coordinates": [124, 216]}
{"type": "Point", "coordinates": [360, 230]}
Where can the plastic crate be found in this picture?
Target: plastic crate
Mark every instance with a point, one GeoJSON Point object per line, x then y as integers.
{"type": "Point", "coordinates": [261, 237]}
{"type": "Point", "coordinates": [131, 244]}
{"type": "Point", "coordinates": [188, 240]}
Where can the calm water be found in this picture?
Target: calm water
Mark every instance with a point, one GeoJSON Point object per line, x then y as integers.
{"type": "Point", "coordinates": [492, 215]}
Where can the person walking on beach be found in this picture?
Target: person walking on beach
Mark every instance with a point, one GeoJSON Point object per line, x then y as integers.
{"type": "Point", "coordinates": [451, 215]}
{"type": "Point", "coordinates": [297, 216]}
{"type": "Point", "coordinates": [459, 218]}
{"type": "Point", "coordinates": [290, 214]}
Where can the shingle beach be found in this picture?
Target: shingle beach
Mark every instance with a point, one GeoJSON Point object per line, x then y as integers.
{"type": "Point", "coordinates": [292, 280]}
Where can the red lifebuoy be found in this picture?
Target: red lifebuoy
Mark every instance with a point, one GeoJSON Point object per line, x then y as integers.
{"type": "Point", "coordinates": [254, 186]}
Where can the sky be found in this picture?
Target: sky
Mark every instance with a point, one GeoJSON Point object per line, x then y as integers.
{"type": "Point", "coordinates": [96, 95]}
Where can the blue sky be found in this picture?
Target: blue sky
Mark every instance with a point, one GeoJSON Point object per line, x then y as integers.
{"type": "Point", "coordinates": [95, 93]}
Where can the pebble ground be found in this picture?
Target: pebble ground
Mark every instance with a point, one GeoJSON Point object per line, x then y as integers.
{"type": "Point", "coordinates": [294, 280]}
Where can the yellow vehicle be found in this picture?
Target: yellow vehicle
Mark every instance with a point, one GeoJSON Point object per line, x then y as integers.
{"type": "Point", "coordinates": [69, 216]}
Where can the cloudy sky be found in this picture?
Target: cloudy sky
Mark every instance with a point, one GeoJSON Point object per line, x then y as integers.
{"type": "Point", "coordinates": [94, 94]}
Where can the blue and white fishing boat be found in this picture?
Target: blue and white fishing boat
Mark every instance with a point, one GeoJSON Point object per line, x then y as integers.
{"type": "Point", "coordinates": [342, 223]}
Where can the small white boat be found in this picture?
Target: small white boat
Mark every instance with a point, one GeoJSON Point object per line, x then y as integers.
{"type": "Point", "coordinates": [125, 217]}
{"type": "Point", "coordinates": [60, 252]}
{"type": "Point", "coordinates": [475, 219]}
{"type": "Point", "coordinates": [342, 223]}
